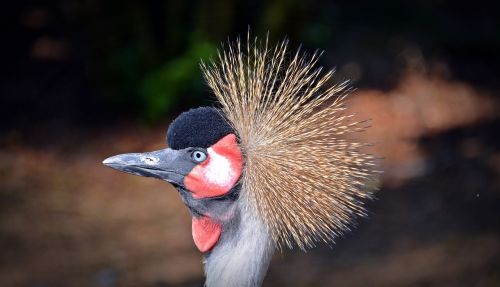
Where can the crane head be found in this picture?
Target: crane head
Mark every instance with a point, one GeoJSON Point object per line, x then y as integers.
{"type": "Point", "coordinates": [279, 165]}
{"type": "Point", "coordinates": [204, 162]}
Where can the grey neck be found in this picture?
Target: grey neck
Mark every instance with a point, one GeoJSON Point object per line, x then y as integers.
{"type": "Point", "coordinates": [242, 255]}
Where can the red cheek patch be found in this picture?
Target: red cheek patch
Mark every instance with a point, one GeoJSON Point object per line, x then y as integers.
{"type": "Point", "coordinates": [206, 232]}
{"type": "Point", "coordinates": [219, 172]}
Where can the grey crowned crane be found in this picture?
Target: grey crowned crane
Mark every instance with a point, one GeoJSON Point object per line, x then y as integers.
{"type": "Point", "coordinates": [272, 167]}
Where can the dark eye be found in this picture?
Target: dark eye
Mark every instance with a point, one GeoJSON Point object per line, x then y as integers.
{"type": "Point", "coordinates": [198, 156]}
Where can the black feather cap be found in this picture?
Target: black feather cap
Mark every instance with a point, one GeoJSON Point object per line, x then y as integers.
{"type": "Point", "coordinates": [200, 127]}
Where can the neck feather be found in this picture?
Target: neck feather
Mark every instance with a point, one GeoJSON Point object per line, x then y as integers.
{"type": "Point", "coordinates": [242, 255]}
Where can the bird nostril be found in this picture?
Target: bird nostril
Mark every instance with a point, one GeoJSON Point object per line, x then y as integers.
{"type": "Point", "coordinates": [150, 160]}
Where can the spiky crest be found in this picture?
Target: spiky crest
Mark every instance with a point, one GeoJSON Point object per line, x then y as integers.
{"type": "Point", "coordinates": [303, 176]}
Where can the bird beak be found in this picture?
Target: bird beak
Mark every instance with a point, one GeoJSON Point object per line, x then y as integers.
{"type": "Point", "coordinates": [166, 164]}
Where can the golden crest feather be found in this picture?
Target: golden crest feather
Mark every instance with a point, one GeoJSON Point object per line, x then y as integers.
{"type": "Point", "coordinates": [303, 175]}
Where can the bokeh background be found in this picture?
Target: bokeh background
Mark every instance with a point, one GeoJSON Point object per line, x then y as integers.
{"type": "Point", "coordinates": [82, 80]}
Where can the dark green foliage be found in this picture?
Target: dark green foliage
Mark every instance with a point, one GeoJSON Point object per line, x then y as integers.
{"type": "Point", "coordinates": [161, 88]}
{"type": "Point", "coordinates": [145, 54]}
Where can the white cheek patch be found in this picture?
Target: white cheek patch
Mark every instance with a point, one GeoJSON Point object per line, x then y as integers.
{"type": "Point", "coordinates": [219, 171]}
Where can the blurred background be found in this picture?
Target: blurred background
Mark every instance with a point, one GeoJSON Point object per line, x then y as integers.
{"type": "Point", "coordinates": [82, 80]}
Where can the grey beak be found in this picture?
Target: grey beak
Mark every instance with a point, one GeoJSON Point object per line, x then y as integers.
{"type": "Point", "coordinates": [166, 164]}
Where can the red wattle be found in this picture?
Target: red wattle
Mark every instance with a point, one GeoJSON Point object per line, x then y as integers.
{"type": "Point", "coordinates": [206, 232]}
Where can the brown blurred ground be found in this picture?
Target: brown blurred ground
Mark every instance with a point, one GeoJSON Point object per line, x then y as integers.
{"type": "Point", "coordinates": [66, 220]}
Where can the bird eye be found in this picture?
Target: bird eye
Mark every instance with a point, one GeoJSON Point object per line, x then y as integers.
{"type": "Point", "coordinates": [198, 156]}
